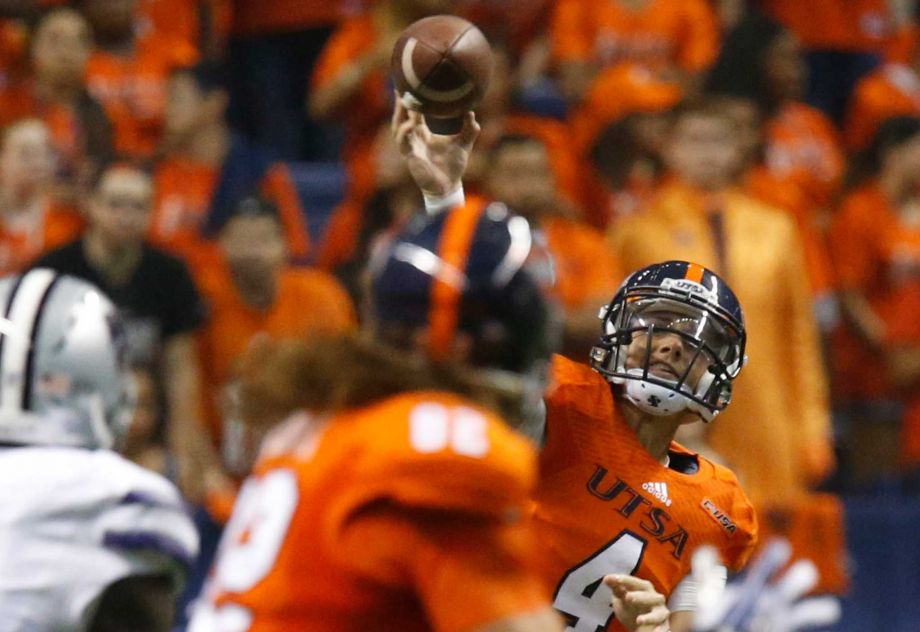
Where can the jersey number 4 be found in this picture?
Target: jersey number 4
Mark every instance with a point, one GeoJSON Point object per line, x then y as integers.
{"type": "Point", "coordinates": [582, 594]}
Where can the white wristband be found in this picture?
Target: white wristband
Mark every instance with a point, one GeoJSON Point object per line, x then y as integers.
{"type": "Point", "coordinates": [435, 204]}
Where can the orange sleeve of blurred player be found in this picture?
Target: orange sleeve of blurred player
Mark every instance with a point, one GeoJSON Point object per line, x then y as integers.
{"type": "Point", "coordinates": [279, 186]}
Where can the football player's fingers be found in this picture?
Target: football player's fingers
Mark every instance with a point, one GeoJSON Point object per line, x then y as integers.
{"type": "Point", "coordinates": [470, 130]}
{"type": "Point", "coordinates": [656, 616]}
{"type": "Point", "coordinates": [403, 136]}
{"type": "Point", "coordinates": [644, 599]}
{"type": "Point", "coordinates": [399, 113]}
{"type": "Point", "coordinates": [422, 129]}
{"type": "Point", "coordinates": [630, 582]}
{"type": "Point", "coordinates": [815, 612]}
{"type": "Point", "coordinates": [801, 577]}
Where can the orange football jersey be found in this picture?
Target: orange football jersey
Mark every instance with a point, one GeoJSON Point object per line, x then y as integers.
{"type": "Point", "coordinates": [408, 514]}
{"type": "Point", "coordinates": [605, 505]}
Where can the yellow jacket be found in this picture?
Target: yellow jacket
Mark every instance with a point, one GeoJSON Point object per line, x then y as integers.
{"type": "Point", "coordinates": [776, 433]}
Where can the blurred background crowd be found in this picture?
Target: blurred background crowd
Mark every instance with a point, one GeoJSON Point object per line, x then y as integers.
{"type": "Point", "coordinates": [223, 168]}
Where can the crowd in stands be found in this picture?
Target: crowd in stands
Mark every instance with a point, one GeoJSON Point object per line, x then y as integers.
{"type": "Point", "coordinates": [147, 145]}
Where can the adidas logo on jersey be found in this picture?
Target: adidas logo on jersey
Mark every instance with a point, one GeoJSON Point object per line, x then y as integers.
{"type": "Point", "coordinates": [659, 491]}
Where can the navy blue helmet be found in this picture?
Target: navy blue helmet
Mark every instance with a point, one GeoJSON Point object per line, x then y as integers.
{"type": "Point", "coordinates": [476, 270]}
{"type": "Point", "coordinates": [695, 305]}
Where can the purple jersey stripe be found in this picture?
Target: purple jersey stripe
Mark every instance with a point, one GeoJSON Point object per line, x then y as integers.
{"type": "Point", "coordinates": [149, 541]}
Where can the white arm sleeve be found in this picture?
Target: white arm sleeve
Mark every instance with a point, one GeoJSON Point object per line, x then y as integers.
{"type": "Point", "coordinates": [74, 522]}
{"type": "Point", "coordinates": [439, 204]}
{"type": "Point", "coordinates": [684, 595]}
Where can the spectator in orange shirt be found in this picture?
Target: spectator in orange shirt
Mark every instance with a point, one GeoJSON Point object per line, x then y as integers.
{"type": "Point", "coordinates": [56, 93]}
{"type": "Point", "coordinates": [843, 40]}
{"type": "Point", "coordinates": [128, 72]}
{"type": "Point", "coordinates": [876, 247]}
{"type": "Point", "coordinates": [587, 275]}
{"type": "Point", "coordinates": [30, 222]}
{"type": "Point", "coordinates": [251, 291]}
{"type": "Point", "coordinates": [761, 61]}
{"type": "Point", "coordinates": [254, 290]}
{"type": "Point", "coordinates": [207, 169]}
{"type": "Point", "coordinates": [762, 184]}
{"type": "Point", "coordinates": [891, 90]}
{"type": "Point", "coordinates": [351, 80]}
{"type": "Point", "coordinates": [588, 38]}
{"type": "Point", "coordinates": [626, 161]}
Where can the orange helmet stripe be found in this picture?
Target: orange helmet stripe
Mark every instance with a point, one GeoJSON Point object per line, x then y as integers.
{"type": "Point", "coordinates": [694, 272]}
{"type": "Point", "coordinates": [453, 249]}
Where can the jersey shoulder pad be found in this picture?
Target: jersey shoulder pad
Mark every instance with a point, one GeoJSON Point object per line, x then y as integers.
{"type": "Point", "coordinates": [437, 451]}
{"type": "Point", "coordinates": [142, 516]}
{"type": "Point", "coordinates": [576, 387]}
{"type": "Point", "coordinates": [729, 506]}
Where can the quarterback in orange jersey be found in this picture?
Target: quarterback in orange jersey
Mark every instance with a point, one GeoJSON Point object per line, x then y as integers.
{"type": "Point", "coordinates": [616, 494]}
{"type": "Point", "coordinates": [397, 498]}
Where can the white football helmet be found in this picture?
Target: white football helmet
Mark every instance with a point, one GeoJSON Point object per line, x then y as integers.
{"type": "Point", "coordinates": [62, 380]}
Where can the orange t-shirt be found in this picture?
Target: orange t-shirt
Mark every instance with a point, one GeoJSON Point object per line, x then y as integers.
{"type": "Point", "coordinates": [605, 505]}
{"type": "Point", "coordinates": [682, 33]}
{"type": "Point", "coordinates": [308, 302]}
{"type": "Point", "coordinates": [876, 252]}
{"type": "Point", "coordinates": [853, 25]}
{"type": "Point", "coordinates": [803, 146]}
{"type": "Point", "coordinates": [368, 108]}
{"type": "Point", "coordinates": [284, 15]}
{"type": "Point", "coordinates": [184, 189]}
{"type": "Point", "coordinates": [175, 18]}
{"type": "Point", "coordinates": [617, 92]}
{"type": "Point", "coordinates": [403, 515]}
{"type": "Point", "coordinates": [23, 243]}
{"type": "Point", "coordinates": [133, 89]}
{"type": "Point", "coordinates": [586, 271]}
{"type": "Point", "coordinates": [67, 135]}
{"type": "Point", "coordinates": [556, 136]}
{"type": "Point", "coordinates": [892, 90]}
{"type": "Point", "coordinates": [763, 185]}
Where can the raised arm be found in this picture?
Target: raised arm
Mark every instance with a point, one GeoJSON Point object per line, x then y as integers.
{"type": "Point", "coordinates": [437, 162]}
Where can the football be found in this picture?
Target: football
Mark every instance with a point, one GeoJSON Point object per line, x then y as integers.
{"type": "Point", "coordinates": [441, 65]}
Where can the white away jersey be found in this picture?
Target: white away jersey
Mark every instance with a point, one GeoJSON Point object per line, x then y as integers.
{"type": "Point", "coordinates": [74, 521]}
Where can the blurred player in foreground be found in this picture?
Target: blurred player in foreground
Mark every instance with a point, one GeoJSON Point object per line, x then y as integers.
{"type": "Point", "coordinates": [616, 494]}
{"type": "Point", "coordinates": [89, 541]}
{"type": "Point", "coordinates": [396, 499]}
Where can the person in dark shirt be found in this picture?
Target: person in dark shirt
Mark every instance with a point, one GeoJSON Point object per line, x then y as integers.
{"type": "Point", "coordinates": [160, 303]}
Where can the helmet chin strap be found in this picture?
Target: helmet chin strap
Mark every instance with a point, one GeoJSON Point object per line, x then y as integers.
{"type": "Point", "coordinates": [662, 401]}
{"type": "Point", "coordinates": [653, 399]}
